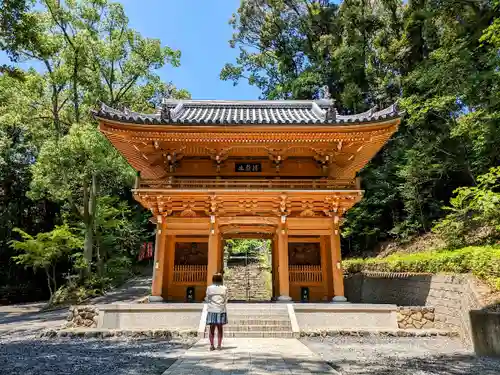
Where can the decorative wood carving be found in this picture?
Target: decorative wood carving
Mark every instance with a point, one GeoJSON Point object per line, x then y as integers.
{"type": "Point", "coordinates": [277, 156]}
{"type": "Point", "coordinates": [188, 209]}
{"type": "Point", "coordinates": [218, 156]}
{"type": "Point", "coordinates": [307, 208]}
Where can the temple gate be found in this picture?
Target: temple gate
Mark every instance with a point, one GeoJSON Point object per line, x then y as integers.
{"type": "Point", "coordinates": [279, 170]}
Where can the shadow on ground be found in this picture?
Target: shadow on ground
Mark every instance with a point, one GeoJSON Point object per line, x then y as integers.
{"type": "Point", "coordinates": [458, 364]}
{"type": "Point", "coordinates": [130, 291]}
{"type": "Point", "coordinates": [88, 357]}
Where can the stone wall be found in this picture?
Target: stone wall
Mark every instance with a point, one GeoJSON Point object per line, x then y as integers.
{"type": "Point", "coordinates": [451, 296]}
{"type": "Point", "coordinates": [418, 317]}
{"type": "Point", "coordinates": [83, 316]}
{"type": "Point", "coordinates": [251, 282]}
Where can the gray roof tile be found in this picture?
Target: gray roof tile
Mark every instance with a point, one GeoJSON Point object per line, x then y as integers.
{"type": "Point", "coordinates": [245, 112]}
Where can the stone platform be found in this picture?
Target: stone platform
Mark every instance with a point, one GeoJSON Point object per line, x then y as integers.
{"type": "Point", "coordinates": [251, 356]}
{"type": "Point", "coordinates": [285, 320]}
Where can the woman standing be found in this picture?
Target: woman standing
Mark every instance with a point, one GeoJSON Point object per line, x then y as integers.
{"type": "Point", "coordinates": [216, 298]}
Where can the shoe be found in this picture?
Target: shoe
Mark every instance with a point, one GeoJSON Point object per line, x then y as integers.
{"type": "Point", "coordinates": [212, 348]}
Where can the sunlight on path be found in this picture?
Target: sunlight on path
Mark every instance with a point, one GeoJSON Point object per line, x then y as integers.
{"type": "Point", "coordinates": [251, 356]}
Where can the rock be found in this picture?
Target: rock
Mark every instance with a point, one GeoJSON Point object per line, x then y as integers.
{"type": "Point", "coordinates": [429, 316]}
{"type": "Point", "coordinates": [417, 324]}
{"type": "Point", "coordinates": [90, 334]}
{"type": "Point", "coordinates": [417, 316]}
{"type": "Point", "coordinates": [428, 324]}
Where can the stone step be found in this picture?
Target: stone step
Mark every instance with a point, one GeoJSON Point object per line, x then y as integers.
{"type": "Point", "coordinates": [254, 334]}
{"type": "Point", "coordinates": [256, 317]}
{"type": "Point", "coordinates": [260, 321]}
{"type": "Point", "coordinates": [258, 328]}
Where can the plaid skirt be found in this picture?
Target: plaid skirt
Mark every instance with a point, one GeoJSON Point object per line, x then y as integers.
{"type": "Point", "coordinates": [216, 318]}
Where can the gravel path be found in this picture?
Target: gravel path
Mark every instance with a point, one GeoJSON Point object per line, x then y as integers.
{"type": "Point", "coordinates": [87, 357]}
{"type": "Point", "coordinates": [401, 356]}
{"type": "Point", "coordinates": [26, 319]}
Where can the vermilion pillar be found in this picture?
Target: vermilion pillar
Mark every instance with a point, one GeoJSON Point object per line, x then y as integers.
{"type": "Point", "coordinates": [283, 263]}
{"type": "Point", "coordinates": [159, 260]}
{"type": "Point", "coordinates": [213, 250]}
{"type": "Point", "coordinates": [338, 273]}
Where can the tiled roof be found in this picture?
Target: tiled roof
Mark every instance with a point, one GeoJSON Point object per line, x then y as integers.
{"type": "Point", "coordinates": [191, 112]}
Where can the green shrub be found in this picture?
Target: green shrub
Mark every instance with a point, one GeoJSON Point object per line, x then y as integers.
{"type": "Point", "coordinates": [473, 208]}
{"type": "Point", "coordinates": [482, 261]}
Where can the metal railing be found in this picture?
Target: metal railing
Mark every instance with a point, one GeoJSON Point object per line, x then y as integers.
{"type": "Point", "coordinates": [190, 274]}
{"type": "Point", "coordinates": [302, 274]}
{"type": "Point", "coordinates": [249, 184]}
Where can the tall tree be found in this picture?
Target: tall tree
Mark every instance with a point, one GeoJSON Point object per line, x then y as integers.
{"type": "Point", "coordinates": [90, 55]}
{"type": "Point", "coordinates": [438, 59]}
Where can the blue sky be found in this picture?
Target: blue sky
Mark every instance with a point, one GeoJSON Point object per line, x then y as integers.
{"type": "Point", "coordinates": [200, 30]}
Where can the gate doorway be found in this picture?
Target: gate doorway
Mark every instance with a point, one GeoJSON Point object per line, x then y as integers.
{"type": "Point", "coordinates": [248, 270]}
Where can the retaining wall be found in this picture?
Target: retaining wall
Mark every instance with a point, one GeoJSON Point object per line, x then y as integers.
{"type": "Point", "coordinates": [451, 296]}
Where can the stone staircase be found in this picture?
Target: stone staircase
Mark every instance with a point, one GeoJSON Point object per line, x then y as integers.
{"type": "Point", "coordinates": [257, 320]}
{"type": "Point", "coordinates": [251, 282]}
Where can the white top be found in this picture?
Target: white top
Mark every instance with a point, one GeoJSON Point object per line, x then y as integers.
{"type": "Point", "coordinates": [216, 298]}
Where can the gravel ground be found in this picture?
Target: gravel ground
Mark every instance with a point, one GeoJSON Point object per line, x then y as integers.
{"type": "Point", "coordinates": [30, 356]}
{"type": "Point", "coordinates": [401, 356]}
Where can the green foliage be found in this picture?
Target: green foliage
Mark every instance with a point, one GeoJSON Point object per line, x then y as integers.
{"type": "Point", "coordinates": [55, 167]}
{"type": "Point", "coordinates": [438, 59]}
{"type": "Point", "coordinates": [482, 261]}
{"type": "Point", "coordinates": [44, 251]}
{"type": "Point", "coordinates": [473, 208]}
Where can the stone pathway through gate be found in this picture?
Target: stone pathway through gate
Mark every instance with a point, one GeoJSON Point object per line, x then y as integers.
{"type": "Point", "coordinates": [261, 356]}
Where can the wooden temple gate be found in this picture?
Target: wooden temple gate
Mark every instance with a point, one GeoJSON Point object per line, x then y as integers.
{"type": "Point", "coordinates": [279, 170]}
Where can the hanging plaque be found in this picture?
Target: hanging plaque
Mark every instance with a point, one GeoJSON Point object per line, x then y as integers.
{"type": "Point", "coordinates": [248, 167]}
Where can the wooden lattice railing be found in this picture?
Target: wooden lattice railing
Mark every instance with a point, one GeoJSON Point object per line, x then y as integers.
{"type": "Point", "coordinates": [189, 274]}
{"type": "Point", "coordinates": [248, 184]}
{"type": "Point", "coordinates": [305, 274]}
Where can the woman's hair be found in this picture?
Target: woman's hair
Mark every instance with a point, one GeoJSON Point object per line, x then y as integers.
{"type": "Point", "coordinates": [217, 278]}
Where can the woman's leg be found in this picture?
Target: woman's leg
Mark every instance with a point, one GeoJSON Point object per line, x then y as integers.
{"type": "Point", "coordinates": [219, 335]}
{"type": "Point", "coordinates": [211, 335]}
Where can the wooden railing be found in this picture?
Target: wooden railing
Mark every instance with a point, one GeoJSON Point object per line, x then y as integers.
{"type": "Point", "coordinates": [305, 275]}
{"type": "Point", "coordinates": [249, 184]}
{"type": "Point", "coordinates": [189, 274]}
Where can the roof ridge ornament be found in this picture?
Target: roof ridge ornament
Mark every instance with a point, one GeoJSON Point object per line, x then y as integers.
{"type": "Point", "coordinates": [331, 113]}
{"type": "Point", "coordinates": [165, 114]}
{"type": "Point", "coordinates": [325, 92]}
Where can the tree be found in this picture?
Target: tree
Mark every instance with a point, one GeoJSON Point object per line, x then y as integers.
{"type": "Point", "coordinates": [44, 250]}
{"type": "Point", "coordinates": [91, 169]}
{"type": "Point", "coordinates": [438, 59]}
{"type": "Point", "coordinates": [472, 208]}
{"type": "Point", "coordinates": [90, 55]}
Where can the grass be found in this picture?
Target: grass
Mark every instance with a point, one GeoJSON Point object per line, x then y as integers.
{"type": "Point", "coordinates": [481, 261]}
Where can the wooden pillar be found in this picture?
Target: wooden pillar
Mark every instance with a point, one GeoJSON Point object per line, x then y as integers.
{"type": "Point", "coordinates": [338, 274]}
{"type": "Point", "coordinates": [274, 261]}
{"type": "Point", "coordinates": [159, 260]}
{"type": "Point", "coordinates": [213, 250]}
{"type": "Point", "coordinates": [283, 262]}
{"type": "Point", "coordinates": [168, 273]}
{"type": "Point", "coordinates": [324, 267]}
{"type": "Point", "coordinates": [220, 255]}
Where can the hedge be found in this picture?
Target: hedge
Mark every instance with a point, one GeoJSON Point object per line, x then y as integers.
{"type": "Point", "coordinates": [482, 261]}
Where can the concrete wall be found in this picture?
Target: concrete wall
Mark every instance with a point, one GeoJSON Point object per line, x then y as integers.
{"type": "Point", "coordinates": [486, 332]}
{"type": "Point", "coordinates": [311, 317]}
{"type": "Point", "coordinates": [452, 296]}
{"type": "Point", "coordinates": [150, 316]}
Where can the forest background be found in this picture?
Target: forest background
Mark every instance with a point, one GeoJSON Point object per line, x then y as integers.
{"type": "Point", "coordinates": [66, 211]}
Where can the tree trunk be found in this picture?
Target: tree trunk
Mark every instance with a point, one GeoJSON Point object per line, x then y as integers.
{"type": "Point", "coordinates": [90, 200]}
{"type": "Point", "coordinates": [49, 284]}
